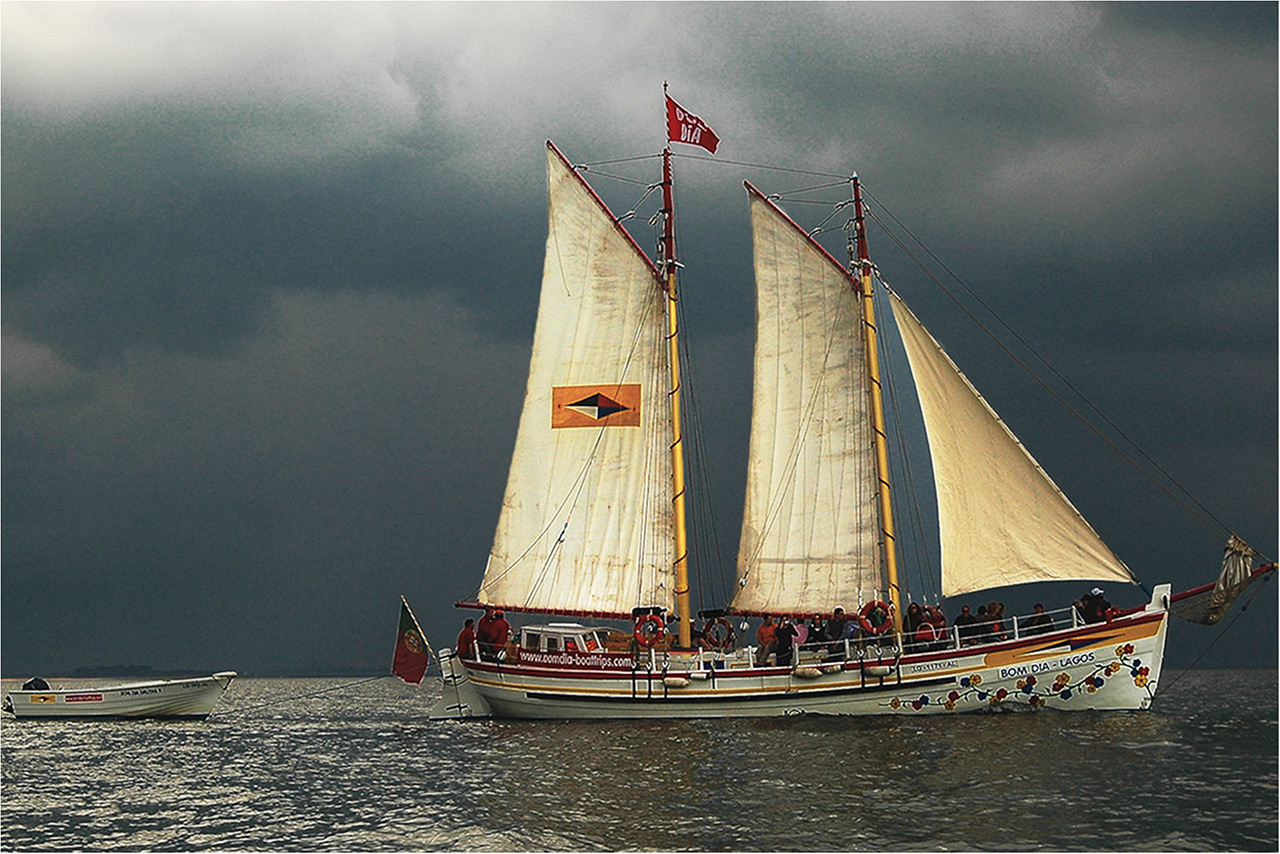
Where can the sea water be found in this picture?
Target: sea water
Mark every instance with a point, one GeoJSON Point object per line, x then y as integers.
{"type": "Point", "coordinates": [282, 766]}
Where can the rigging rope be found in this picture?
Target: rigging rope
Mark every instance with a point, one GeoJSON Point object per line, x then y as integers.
{"type": "Point", "coordinates": [1266, 578]}
{"type": "Point", "coordinates": [915, 517]}
{"type": "Point", "coordinates": [1221, 529]}
{"type": "Point", "coordinates": [241, 709]}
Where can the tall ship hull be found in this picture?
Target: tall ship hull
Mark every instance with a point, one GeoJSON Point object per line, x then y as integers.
{"type": "Point", "coordinates": [1112, 666]}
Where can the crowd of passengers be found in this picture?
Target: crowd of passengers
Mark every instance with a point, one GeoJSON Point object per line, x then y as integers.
{"type": "Point", "coordinates": [924, 628]}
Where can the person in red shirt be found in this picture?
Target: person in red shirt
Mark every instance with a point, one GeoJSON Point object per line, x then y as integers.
{"type": "Point", "coordinates": [484, 632]}
{"type": "Point", "coordinates": [492, 641]}
{"type": "Point", "coordinates": [767, 640]}
{"type": "Point", "coordinates": [466, 645]}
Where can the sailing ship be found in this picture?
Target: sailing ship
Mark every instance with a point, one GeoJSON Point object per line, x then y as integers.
{"type": "Point", "coordinates": [592, 525]}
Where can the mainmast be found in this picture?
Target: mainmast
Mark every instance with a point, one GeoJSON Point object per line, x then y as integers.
{"type": "Point", "coordinates": [667, 263]}
{"type": "Point", "coordinates": [861, 264]}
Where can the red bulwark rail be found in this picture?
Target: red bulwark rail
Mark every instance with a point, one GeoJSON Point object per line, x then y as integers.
{"type": "Point", "coordinates": [555, 612]}
{"type": "Point", "coordinates": [815, 244]}
{"type": "Point", "coordinates": [551, 146]}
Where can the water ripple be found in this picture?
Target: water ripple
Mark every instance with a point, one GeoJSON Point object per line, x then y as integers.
{"type": "Point", "coordinates": [365, 770]}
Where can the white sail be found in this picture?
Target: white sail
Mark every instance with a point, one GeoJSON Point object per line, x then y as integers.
{"type": "Point", "coordinates": [586, 522]}
{"type": "Point", "coordinates": [810, 529]}
{"type": "Point", "coordinates": [1001, 519]}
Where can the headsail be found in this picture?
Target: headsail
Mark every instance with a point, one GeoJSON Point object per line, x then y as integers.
{"type": "Point", "coordinates": [1001, 519]}
{"type": "Point", "coordinates": [810, 532]}
{"type": "Point", "coordinates": [586, 520]}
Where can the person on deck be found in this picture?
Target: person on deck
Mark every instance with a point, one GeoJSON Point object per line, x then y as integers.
{"type": "Point", "coordinates": [981, 626]}
{"type": "Point", "coordinates": [501, 631]}
{"type": "Point", "coordinates": [964, 625]}
{"type": "Point", "coordinates": [766, 640]}
{"type": "Point", "coordinates": [914, 616]}
{"type": "Point", "coordinates": [817, 630]}
{"type": "Point", "coordinates": [939, 622]}
{"type": "Point", "coordinates": [484, 629]}
{"type": "Point", "coordinates": [1039, 622]}
{"type": "Point", "coordinates": [787, 635]}
{"type": "Point", "coordinates": [997, 622]}
{"type": "Point", "coordinates": [1096, 606]}
{"type": "Point", "coordinates": [836, 629]}
{"type": "Point", "coordinates": [466, 645]}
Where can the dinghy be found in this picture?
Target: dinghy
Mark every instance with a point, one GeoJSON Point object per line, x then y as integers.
{"type": "Point", "coordinates": [191, 699]}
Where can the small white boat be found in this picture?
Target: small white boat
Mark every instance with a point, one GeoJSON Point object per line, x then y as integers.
{"type": "Point", "coordinates": [190, 699]}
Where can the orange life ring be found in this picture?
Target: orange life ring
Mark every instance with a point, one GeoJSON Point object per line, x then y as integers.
{"type": "Point", "coordinates": [711, 636]}
{"type": "Point", "coordinates": [650, 630]}
{"type": "Point", "coordinates": [864, 617]}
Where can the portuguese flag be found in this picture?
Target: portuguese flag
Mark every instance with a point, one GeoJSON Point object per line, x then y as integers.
{"type": "Point", "coordinates": [411, 648]}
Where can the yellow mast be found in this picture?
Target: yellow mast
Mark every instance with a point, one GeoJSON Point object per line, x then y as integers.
{"type": "Point", "coordinates": [684, 634]}
{"type": "Point", "coordinates": [863, 271]}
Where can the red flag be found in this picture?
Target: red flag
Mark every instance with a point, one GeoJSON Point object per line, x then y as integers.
{"type": "Point", "coordinates": [684, 126]}
{"type": "Point", "coordinates": [412, 657]}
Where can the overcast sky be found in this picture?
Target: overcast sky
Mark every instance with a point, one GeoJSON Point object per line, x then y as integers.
{"type": "Point", "coordinates": [270, 275]}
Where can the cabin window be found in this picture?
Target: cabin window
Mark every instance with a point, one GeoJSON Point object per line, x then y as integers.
{"type": "Point", "coordinates": [592, 643]}
{"type": "Point", "coordinates": [532, 640]}
{"type": "Point", "coordinates": [571, 644]}
{"type": "Point", "coordinates": [553, 644]}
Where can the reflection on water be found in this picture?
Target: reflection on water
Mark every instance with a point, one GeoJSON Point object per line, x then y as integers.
{"type": "Point", "coordinates": [362, 768]}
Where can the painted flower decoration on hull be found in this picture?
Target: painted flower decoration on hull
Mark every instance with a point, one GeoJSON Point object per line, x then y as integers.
{"type": "Point", "coordinates": [1031, 691]}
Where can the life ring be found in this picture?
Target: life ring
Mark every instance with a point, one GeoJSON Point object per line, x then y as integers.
{"type": "Point", "coordinates": [718, 632]}
{"type": "Point", "coordinates": [886, 621]}
{"type": "Point", "coordinates": [650, 630]}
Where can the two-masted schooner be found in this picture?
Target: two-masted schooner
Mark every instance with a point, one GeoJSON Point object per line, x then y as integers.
{"type": "Point", "coordinates": [592, 526]}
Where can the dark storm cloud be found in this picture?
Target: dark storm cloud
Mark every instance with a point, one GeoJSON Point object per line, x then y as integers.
{"type": "Point", "coordinates": [270, 274]}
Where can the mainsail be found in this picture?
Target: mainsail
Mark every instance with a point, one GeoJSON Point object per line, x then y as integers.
{"type": "Point", "coordinates": [810, 531]}
{"type": "Point", "coordinates": [1001, 519]}
{"type": "Point", "coordinates": [586, 522]}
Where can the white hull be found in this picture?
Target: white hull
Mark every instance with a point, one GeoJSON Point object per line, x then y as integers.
{"type": "Point", "coordinates": [1111, 666]}
{"type": "Point", "coordinates": [169, 698]}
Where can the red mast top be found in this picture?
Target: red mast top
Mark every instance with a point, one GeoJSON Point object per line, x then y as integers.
{"type": "Point", "coordinates": [667, 245]}
{"type": "Point", "coordinates": [859, 228]}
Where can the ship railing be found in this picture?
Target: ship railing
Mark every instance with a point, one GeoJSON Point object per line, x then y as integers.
{"type": "Point", "coordinates": [878, 648]}
{"type": "Point", "coordinates": [1019, 627]}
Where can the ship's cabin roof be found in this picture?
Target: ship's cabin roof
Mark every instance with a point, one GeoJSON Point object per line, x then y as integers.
{"type": "Point", "coordinates": [563, 637]}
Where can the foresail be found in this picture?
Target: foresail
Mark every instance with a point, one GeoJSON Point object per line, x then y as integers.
{"type": "Point", "coordinates": [810, 528]}
{"type": "Point", "coordinates": [586, 520]}
{"type": "Point", "coordinates": [1001, 519]}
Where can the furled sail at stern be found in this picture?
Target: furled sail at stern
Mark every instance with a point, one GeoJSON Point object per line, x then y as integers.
{"type": "Point", "coordinates": [1001, 519]}
{"type": "Point", "coordinates": [810, 528]}
{"type": "Point", "coordinates": [586, 520]}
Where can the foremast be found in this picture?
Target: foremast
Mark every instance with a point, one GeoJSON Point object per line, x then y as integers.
{"type": "Point", "coordinates": [860, 262]}
{"type": "Point", "coordinates": [667, 263]}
